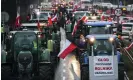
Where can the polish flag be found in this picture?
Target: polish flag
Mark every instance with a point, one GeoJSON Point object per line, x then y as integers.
{"type": "Point", "coordinates": [129, 47]}
{"type": "Point", "coordinates": [38, 26]}
{"type": "Point", "coordinates": [49, 20]}
{"type": "Point", "coordinates": [102, 18]}
{"type": "Point", "coordinates": [17, 22]}
{"type": "Point", "coordinates": [67, 49]}
{"type": "Point", "coordinates": [109, 19]}
{"type": "Point", "coordinates": [54, 18]}
{"type": "Point", "coordinates": [68, 22]}
{"type": "Point", "coordinates": [75, 28]}
{"type": "Point", "coordinates": [84, 18]}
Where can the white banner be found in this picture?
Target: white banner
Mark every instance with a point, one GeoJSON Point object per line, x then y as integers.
{"type": "Point", "coordinates": [103, 66]}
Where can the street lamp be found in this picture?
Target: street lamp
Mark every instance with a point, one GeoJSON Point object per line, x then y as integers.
{"type": "Point", "coordinates": [118, 7]}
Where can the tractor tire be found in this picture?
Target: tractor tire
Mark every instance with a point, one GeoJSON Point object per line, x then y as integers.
{"type": "Point", "coordinates": [121, 74]}
{"type": "Point", "coordinates": [84, 73]}
{"type": "Point", "coordinates": [54, 61]}
{"type": "Point", "coordinates": [121, 70]}
{"type": "Point", "coordinates": [5, 73]}
{"type": "Point", "coordinates": [46, 73]}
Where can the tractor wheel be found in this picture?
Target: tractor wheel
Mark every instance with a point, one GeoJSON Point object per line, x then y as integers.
{"type": "Point", "coordinates": [54, 60]}
{"type": "Point", "coordinates": [5, 72]}
{"type": "Point", "coordinates": [121, 73]}
{"type": "Point", "coordinates": [46, 73]}
{"type": "Point", "coordinates": [84, 73]}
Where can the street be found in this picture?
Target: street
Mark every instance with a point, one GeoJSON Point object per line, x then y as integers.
{"type": "Point", "coordinates": [68, 69]}
{"type": "Point", "coordinates": [67, 40]}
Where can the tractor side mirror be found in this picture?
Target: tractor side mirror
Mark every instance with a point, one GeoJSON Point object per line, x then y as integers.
{"type": "Point", "coordinates": [10, 36]}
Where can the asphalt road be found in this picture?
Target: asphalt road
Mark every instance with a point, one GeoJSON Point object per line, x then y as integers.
{"type": "Point", "coordinates": [68, 69]}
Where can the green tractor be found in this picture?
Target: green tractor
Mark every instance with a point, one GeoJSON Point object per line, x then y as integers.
{"type": "Point", "coordinates": [26, 57]}
{"type": "Point", "coordinates": [51, 36]}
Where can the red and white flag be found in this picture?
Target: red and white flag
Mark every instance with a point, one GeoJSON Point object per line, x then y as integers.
{"type": "Point", "coordinates": [68, 22]}
{"type": "Point", "coordinates": [67, 49]}
{"type": "Point", "coordinates": [75, 28]}
{"type": "Point", "coordinates": [102, 18]}
{"type": "Point", "coordinates": [84, 18]}
{"type": "Point", "coordinates": [39, 26]}
{"type": "Point", "coordinates": [49, 20]}
{"type": "Point", "coordinates": [17, 22]}
{"type": "Point", "coordinates": [129, 47]}
{"type": "Point", "coordinates": [54, 18]}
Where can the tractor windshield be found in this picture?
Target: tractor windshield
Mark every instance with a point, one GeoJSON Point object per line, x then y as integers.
{"type": "Point", "coordinates": [24, 40]}
{"type": "Point", "coordinates": [42, 16]}
{"type": "Point", "coordinates": [99, 30]}
{"type": "Point", "coordinates": [80, 14]}
{"type": "Point", "coordinates": [102, 47]}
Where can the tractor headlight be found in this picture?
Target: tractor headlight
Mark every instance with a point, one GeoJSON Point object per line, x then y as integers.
{"type": "Point", "coordinates": [10, 36]}
{"type": "Point", "coordinates": [111, 39]}
{"type": "Point", "coordinates": [92, 39]}
{"type": "Point", "coordinates": [39, 36]}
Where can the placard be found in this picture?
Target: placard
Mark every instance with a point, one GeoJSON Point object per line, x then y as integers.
{"type": "Point", "coordinates": [103, 66]}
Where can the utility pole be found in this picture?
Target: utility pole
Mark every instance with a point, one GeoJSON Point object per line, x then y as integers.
{"type": "Point", "coordinates": [118, 8]}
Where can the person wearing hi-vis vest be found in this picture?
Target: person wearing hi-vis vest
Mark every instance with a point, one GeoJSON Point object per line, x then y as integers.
{"type": "Point", "coordinates": [50, 44]}
{"type": "Point", "coordinates": [35, 45]}
{"type": "Point", "coordinates": [2, 33]}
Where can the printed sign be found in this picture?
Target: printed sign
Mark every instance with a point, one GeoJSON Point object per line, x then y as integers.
{"type": "Point", "coordinates": [31, 6]}
{"type": "Point", "coordinates": [118, 12]}
{"type": "Point", "coordinates": [103, 66]}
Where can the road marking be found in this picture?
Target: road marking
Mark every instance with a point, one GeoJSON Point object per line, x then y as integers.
{"type": "Point", "coordinates": [64, 70]}
{"type": "Point", "coordinates": [64, 78]}
{"type": "Point", "coordinates": [64, 65]}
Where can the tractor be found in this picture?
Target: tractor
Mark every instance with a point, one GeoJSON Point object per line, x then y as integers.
{"type": "Point", "coordinates": [98, 27]}
{"type": "Point", "coordinates": [100, 59]}
{"type": "Point", "coordinates": [27, 57]}
{"type": "Point", "coordinates": [51, 33]}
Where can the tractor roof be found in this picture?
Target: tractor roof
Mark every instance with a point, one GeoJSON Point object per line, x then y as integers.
{"type": "Point", "coordinates": [101, 36]}
{"type": "Point", "coordinates": [98, 23]}
{"type": "Point", "coordinates": [33, 24]}
{"type": "Point", "coordinates": [13, 32]}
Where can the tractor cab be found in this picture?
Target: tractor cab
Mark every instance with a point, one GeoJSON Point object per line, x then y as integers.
{"type": "Point", "coordinates": [34, 26]}
{"type": "Point", "coordinates": [98, 27]}
{"type": "Point", "coordinates": [42, 16]}
{"type": "Point", "coordinates": [27, 58]}
{"type": "Point", "coordinates": [101, 50]}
